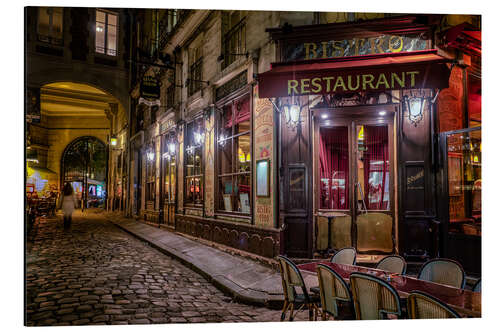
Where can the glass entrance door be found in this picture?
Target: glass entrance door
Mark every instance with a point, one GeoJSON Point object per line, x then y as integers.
{"type": "Point", "coordinates": [373, 210]}
{"type": "Point", "coordinates": [356, 181]}
{"type": "Point", "coordinates": [460, 206]}
{"type": "Point", "coordinates": [169, 180]}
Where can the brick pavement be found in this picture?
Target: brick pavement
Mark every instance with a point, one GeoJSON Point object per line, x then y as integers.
{"type": "Point", "coordinates": [97, 274]}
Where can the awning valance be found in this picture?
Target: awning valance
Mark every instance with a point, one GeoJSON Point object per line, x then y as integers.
{"type": "Point", "coordinates": [379, 72]}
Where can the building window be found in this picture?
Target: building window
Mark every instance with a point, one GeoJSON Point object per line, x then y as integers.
{"type": "Point", "coordinates": [235, 158]}
{"type": "Point", "coordinates": [170, 96]}
{"type": "Point", "coordinates": [195, 67]}
{"type": "Point", "coordinates": [150, 174]}
{"type": "Point", "coordinates": [50, 25]}
{"type": "Point", "coordinates": [194, 162]}
{"type": "Point", "coordinates": [106, 31]}
{"type": "Point", "coordinates": [233, 37]}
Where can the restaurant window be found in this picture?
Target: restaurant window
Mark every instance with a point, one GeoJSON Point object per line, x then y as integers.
{"type": "Point", "coordinates": [233, 36]}
{"type": "Point", "coordinates": [106, 31]}
{"type": "Point", "coordinates": [235, 158]}
{"type": "Point", "coordinates": [50, 25]}
{"type": "Point", "coordinates": [193, 180]}
{"type": "Point", "coordinates": [195, 68]}
{"type": "Point", "coordinates": [464, 182]}
{"type": "Point", "coordinates": [169, 167]}
{"type": "Point", "coordinates": [170, 96]}
{"type": "Point", "coordinates": [150, 174]}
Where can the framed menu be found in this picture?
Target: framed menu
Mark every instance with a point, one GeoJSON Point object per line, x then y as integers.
{"type": "Point", "coordinates": [263, 172]}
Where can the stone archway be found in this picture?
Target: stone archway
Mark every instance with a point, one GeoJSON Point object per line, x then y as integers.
{"type": "Point", "coordinates": [84, 164]}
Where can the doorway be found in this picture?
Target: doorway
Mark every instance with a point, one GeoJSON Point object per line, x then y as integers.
{"type": "Point", "coordinates": [169, 183]}
{"type": "Point", "coordinates": [355, 178]}
{"type": "Point", "coordinates": [460, 197]}
{"type": "Point", "coordinates": [84, 166]}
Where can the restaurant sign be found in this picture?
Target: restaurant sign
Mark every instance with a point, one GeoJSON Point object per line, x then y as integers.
{"type": "Point", "coordinates": [350, 80]}
{"type": "Point", "coordinates": [353, 47]}
{"type": "Point", "coordinates": [150, 91]}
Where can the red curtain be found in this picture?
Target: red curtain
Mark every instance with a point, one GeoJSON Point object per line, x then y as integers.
{"type": "Point", "coordinates": [334, 167]}
{"type": "Point", "coordinates": [375, 159]}
{"type": "Point", "coordinates": [241, 110]}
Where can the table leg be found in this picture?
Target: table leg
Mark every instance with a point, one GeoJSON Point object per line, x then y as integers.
{"type": "Point", "coordinates": [329, 248]}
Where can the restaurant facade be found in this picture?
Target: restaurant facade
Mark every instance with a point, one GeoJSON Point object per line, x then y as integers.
{"type": "Point", "coordinates": [280, 133]}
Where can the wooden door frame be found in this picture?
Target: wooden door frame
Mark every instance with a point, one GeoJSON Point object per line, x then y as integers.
{"type": "Point", "coordinates": [351, 116]}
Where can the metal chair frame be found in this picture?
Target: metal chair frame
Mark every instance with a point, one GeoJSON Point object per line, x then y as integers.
{"type": "Point", "coordinates": [477, 286]}
{"type": "Point", "coordinates": [382, 313]}
{"type": "Point", "coordinates": [344, 249]}
{"type": "Point", "coordinates": [289, 287]}
{"type": "Point", "coordinates": [419, 275]}
{"type": "Point", "coordinates": [411, 304]}
{"type": "Point", "coordinates": [393, 256]}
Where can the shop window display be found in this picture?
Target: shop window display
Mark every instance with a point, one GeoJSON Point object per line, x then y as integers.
{"type": "Point", "coordinates": [235, 158]}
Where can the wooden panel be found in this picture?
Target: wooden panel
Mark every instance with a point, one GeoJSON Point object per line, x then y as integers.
{"type": "Point", "coordinates": [245, 237]}
{"type": "Point", "coordinates": [466, 249]}
{"type": "Point", "coordinates": [417, 185]}
{"type": "Point", "coordinates": [295, 179]}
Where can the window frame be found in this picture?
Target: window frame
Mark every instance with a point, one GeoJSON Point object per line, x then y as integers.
{"type": "Point", "coordinates": [238, 29]}
{"type": "Point", "coordinates": [188, 140]}
{"type": "Point", "coordinates": [51, 40]}
{"type": "Point", "coordinates": [106, 24]}
{"type": "Point", "coordinates": [238, 96]}
{"type": "Point", "coordinates": [150, 181]}
{"type": "Point", "coordinates": [167, 168]}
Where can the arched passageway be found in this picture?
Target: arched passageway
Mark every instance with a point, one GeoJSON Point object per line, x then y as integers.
{"type": "Point", "coordinates": [84, 165]}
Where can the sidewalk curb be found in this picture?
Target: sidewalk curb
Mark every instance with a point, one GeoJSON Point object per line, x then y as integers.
{"type": "Point", "coordinates": [228, 287]}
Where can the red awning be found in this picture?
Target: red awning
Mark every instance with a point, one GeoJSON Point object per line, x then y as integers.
{"type": "Point", "coordinates": [464, 37]}
{"type": "Point", "coordinates": [379, 72]}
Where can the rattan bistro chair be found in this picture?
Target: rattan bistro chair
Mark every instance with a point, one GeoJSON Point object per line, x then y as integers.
{"type": "Point", "coordinates": [373, 297]}
{"type": "Point", "coordinates": [477, 286]}
{"type": "Point", "coordinates": [291, 280]}
{"type": "Point", "coordinates": [424, 306]}
{"type": "Point", "coordinates": [334, 294]}
{"type": "Point", "coordinates": [444, 271]}
{"type": "Point", "coordinates": [393, 264]}
{"type": "Point", "coordinates": [346, 256]}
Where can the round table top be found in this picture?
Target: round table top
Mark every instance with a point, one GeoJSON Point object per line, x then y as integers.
{"type": "Point", "coordinates": [331, 214]}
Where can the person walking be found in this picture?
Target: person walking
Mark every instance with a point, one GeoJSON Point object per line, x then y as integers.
{"type": "Point", "coordinates": [67, 204]}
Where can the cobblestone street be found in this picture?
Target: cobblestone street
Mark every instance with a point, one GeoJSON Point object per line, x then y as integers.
{"type": "Point", "coordinates": [96, 273]}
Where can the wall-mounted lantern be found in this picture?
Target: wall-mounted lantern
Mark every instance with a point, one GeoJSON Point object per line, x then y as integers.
{"type": "Point", "coordinates": [113, 141]}
{"type": "Point", "coordinates": [150, 155]}
{"type": "Point", "coordinates": [292, 114]}
{"type": "Point", "coordinates": [415, 106]}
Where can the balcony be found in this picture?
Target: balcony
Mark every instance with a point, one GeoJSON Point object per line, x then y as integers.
{"type": "Point", "coordinates": [234, 42]}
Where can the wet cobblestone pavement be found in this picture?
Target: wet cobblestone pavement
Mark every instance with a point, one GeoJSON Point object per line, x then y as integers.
{"type": "Point", "coordinates": [96, 273]}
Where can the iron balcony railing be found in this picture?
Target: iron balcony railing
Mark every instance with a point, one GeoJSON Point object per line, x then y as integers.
{"type": "Point", "coordinates": [195, 76]}
{"type": "Point", "coordinates": [234, 42]}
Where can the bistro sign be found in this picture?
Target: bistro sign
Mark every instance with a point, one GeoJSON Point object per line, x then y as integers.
{"type": "Point", "coordinates": [353, 47]}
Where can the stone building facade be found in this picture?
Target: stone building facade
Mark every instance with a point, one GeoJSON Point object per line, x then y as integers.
{"type": "Point", "coordinates": [195, 158]}
{"type": "Point", "coordinates": [80, 89]}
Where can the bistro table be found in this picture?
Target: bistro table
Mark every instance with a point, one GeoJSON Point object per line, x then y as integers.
{"type": "Point", "coordinates": [465, 302]}
{"type": "Point", "coordinates": [330, 216]}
